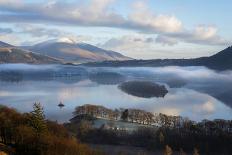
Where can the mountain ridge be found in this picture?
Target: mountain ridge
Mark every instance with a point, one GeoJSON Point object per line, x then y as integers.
{"type": "Point", "coordinates": [13, 54]}
{"type": "Point", "coordinates": [219, 61]}
{"type": "Point", "coordinates": [3, 44]}
{"type": "Point", "coordinates": [69, 51]}
{"type": "Point", "coordinates": [76, 52]}
{"type": "Point", "coordinates": [62, 50]}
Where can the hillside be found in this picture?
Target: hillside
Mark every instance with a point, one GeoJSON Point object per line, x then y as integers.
{"type": "Point", "coordinates": [219, 61]}
{"type": "Point", "coordinates": [75, 52]}
{"type": "Point", "coordinates": [17, 55]}
{"type": "Point", "coordinates": [3, 44]}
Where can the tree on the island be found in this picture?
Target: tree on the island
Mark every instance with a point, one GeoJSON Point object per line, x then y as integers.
{"type": "Point", "coordinates": [168, 150]}
{"type": "Point", "coordinates": [125, 114]}
{"type": "Point", "coordinates": [37, 119]}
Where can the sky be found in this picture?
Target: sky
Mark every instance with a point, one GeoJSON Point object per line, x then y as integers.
{"type": "Point", "coordinates": [142, 29]}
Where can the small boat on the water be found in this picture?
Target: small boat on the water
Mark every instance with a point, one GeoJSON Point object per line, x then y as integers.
{"type": "Point", "coordinates": [61, 105]}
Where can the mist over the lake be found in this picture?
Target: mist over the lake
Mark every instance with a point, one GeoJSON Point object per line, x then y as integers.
{"type": "Point", "coordinates": [194, 92]}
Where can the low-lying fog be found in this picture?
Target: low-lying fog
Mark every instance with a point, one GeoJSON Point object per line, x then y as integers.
{"type": "Point", "coordinates": [194, 92]}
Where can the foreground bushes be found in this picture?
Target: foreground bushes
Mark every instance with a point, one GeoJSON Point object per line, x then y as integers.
{"type": "Point", "coordinates": [31, 134]}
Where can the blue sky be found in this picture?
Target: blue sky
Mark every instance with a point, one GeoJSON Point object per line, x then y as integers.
{"type": "Point", "coordinates": [143, 29]}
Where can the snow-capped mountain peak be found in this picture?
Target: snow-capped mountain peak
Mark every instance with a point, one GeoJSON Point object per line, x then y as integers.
{"type": "Point", "coordinates": [66, 40]}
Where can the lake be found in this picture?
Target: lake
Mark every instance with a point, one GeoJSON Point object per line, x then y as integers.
{"type": "Point", "coordinates": [194, 92]}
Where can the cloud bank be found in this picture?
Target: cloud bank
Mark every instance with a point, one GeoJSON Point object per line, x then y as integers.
{"type": "Point", "coordinates": [101, 13]}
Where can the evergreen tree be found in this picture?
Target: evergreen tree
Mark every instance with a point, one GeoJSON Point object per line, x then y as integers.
{"type": "Point", "coordinates": [125, 114]}
{"type": "Point", "coordinates": [37, 119]}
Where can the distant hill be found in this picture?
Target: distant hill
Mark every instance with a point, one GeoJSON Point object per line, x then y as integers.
{"type": "Point", "coordinates": [17, 55]}
{"type": "Point", "coordinates": [219, 61]}
{"type": "Point", "coordinates": [70, 51]}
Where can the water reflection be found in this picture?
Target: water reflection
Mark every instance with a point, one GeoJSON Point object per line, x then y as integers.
{"type": "Point", "coordinates": [196, 99]}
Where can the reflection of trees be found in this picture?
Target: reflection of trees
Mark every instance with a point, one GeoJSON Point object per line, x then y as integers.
{"type": "Point", "coordinates": [11, 76]}
{"type": "Point", "coordinates": [107, 78]}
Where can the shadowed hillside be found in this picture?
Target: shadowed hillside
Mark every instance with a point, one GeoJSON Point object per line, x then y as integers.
{"type": "Point", "coordinates": [17, 55]}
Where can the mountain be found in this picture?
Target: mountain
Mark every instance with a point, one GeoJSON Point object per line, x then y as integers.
{"type": "Point", "coordinates": [17, 55]}
{"type": "Point", "coordinates": [70, 51]}
{"type": "Point", "coordinates": [219, 61]}
{"type": "Point", "coordinates": [3, 44]}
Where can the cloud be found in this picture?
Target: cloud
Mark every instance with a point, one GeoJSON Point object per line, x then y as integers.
{"type": "Point", "coordinates": [91, 14]}
{"type": "Point", "coordinates": [10, 38]}
{"type": "Point", "coordinates": [149, 40]}
{"type": "Point", "coordinates": [5, 30]}
{"type": "Point", "coordinates": [5, 93]}
{"type": "Point", "coordinates": [144, 19]}
{"type": "Point", "coordinates": [149, 23]}
{"type": "Point", "coordinates": [166, 40]}
{"type": "Point", "coordinates": [37, 31]}
{"type": "Point", "coordinates": [205, 108]}
{"type": "Point", "coordinates": [95, 13]}
{"type": "Point", "coordinates": [127, 42]}
{"type": "Point", "coordinates": [202, 34]}
{"type": "Point", "coordinates": [206, 35]}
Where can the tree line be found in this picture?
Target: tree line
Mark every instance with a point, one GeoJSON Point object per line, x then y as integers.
{"type": "Point", "coordinates": [208, 137]}
{"type": "Point", "coordinates": [129, 115]}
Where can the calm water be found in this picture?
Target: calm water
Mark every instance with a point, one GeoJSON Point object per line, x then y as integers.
{"type": "Point", "coordinates": [200, 93]}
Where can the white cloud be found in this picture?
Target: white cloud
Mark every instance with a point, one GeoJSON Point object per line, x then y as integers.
{"type": "Point", "coordinates": [143, 18]}
{"type": "Point", "coordinates": [164, 40]}
{"type": "Point", "coordinates": [155, 23]}
{"type": "Point", "coordinates": [10, 38]}
{"type": "Point", "coordinates": [5, 30]}
{"type": "Point", "coordinates": [128, 42]}
{"type": "Point", "coordinates": [202, 34]}
{"type": "Point", "coordinates": [205, 108]}
{"type": "Point", "coordinates": [169, 28]}
{"type": "Point", "coordinates": [37, 31]}
{"type": "Point", "coordinates": [207, 34]}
